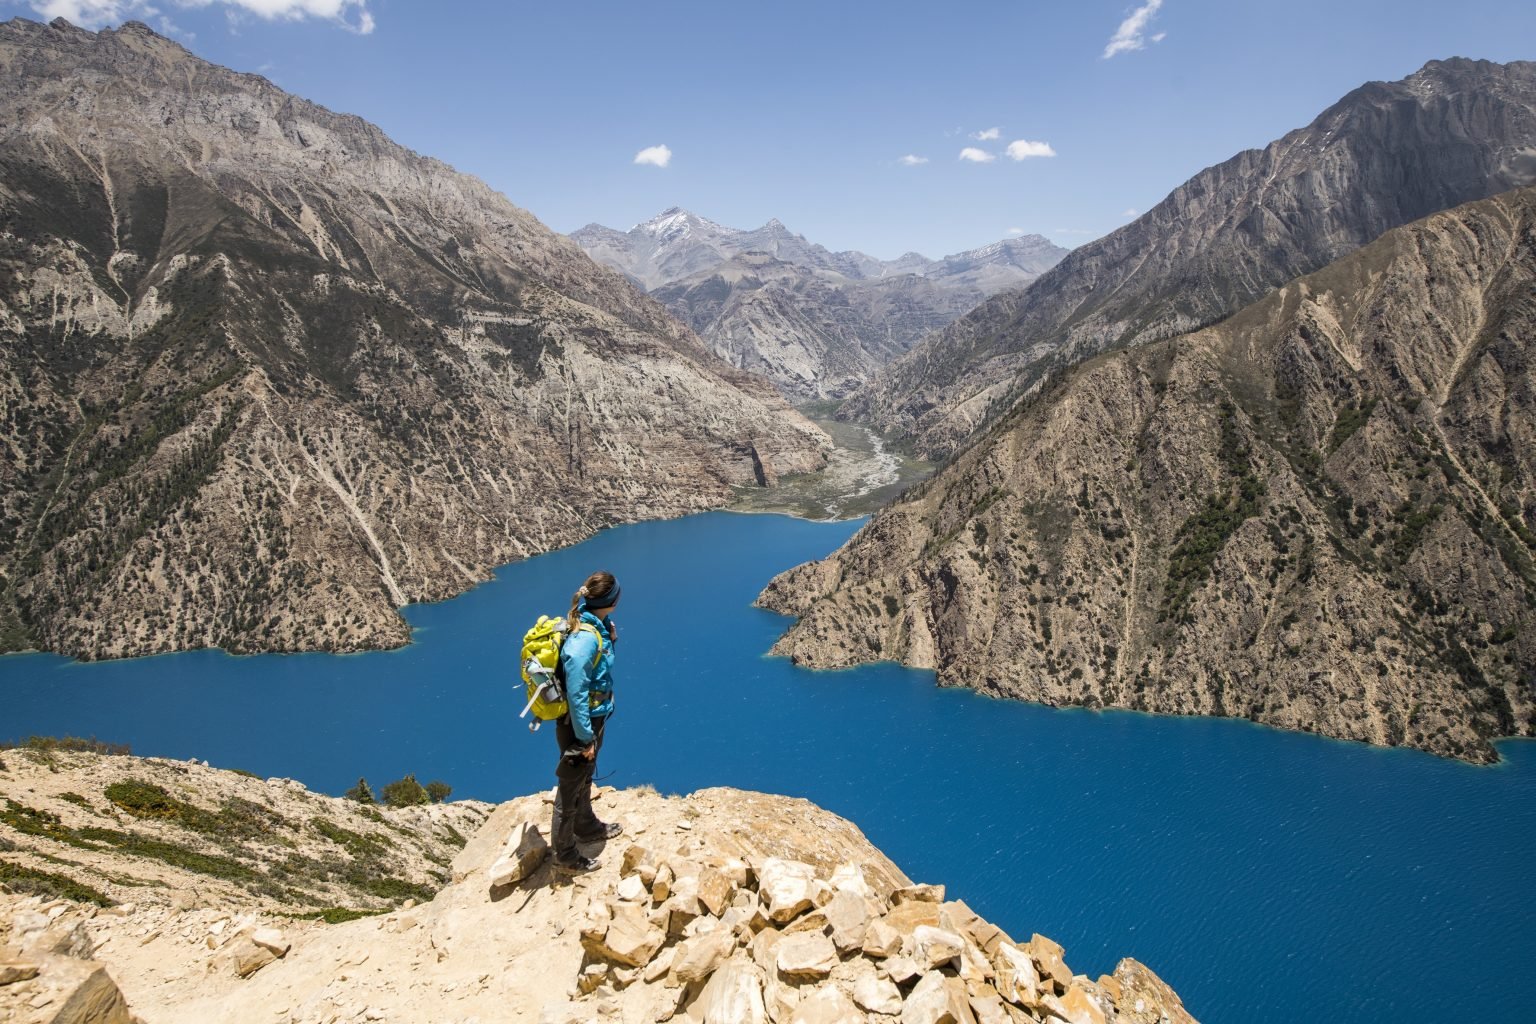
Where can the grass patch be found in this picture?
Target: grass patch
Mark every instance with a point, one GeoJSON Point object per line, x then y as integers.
{"type": "Point", "coordinates": [337, 915]}
{"type": "Point", "coordinates": [49, 885]}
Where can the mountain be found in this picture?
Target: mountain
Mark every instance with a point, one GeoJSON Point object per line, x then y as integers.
{"type": "Point", "coordinates": [1386, 154]}
{"type": "Point", "coordinates": [267, 375]}
{"type": "Point", "coordinates": [148, 887]}
{"type": "Point", "coordinates": [815, 322]}
{"type": "Point", "coordinates": [1319, 514]}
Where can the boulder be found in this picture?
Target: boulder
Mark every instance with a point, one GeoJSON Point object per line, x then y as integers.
{"type": "Point", "coordinates": [815, 921]}
{"type": "Point", "coordinates": [787, 888]}
{"type": "Point", "coordinates": [959, 918]}
{"type": "Point", "coordinates": [877, 995]}
{"type": "Point", "coordinates": [715, 891]}
{"type": "Point", "coordinates": [246, 957]}
{"type": "Point", "coordinates": [827, 1005]}
{"type": "Point", "coordinates": [523, 855]}
{"type": "Point", "coordinates": [988, 1008]}
{"type": "Point", "coordinates": [641, 863]}
{"type": "Point", "coordinates": [1082, 1006]}
{"type": "Point", "coordinates": [661, 887]}
{"type": "Point", "coordinates": [272, 940]}
{"type": "Point", "coordinates": [629, 939]}
{"type": "Point", "coordinates": [917, 894]}
{"type": "Point", "coordinates": [1144, 998]}
{"type": "Point", "coordinates": [935, 946]}
{"type": "Point", "coordinates": [805, 955]}
{"type": "Point", "coordinates": [1049, 957]}
{"type": "Point", "coordinates": [1018, 980]}
{"type": "Point", "coordinates": [848, 917]}
{"type": "Point", "coordinates": [881, 940]}
{"type": "Point", "coordinates": [765, 945]}
{"type": "Point", "coordinates": [659, 967]}
{"type": "Point", "coordinates": [12, 971]}
{"type": "Point", "coordinates": [734, 995]}
{"type": "Point", "coordinates": [933, 1001]}
{"type": "Point", "coordinates": [73, 991]}
{"type": "Point", "coordinates": [849, 877]}
{"type": "Point", "coordinates": [632, 890]}
{"type": "Point", "coordinates": [698, 957]}
{"type": "Point", "coordinates": [906, 917]}
{"type": "Point", "coordinates": [901, 968]}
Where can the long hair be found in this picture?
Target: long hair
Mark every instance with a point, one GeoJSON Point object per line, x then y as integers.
{"type": "Point", "coordinates": [598, 586]}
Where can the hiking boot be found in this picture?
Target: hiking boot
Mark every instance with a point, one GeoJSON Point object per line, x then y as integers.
{"type": "Point", "coordinates": [607, 830]}
{"type": "Point", "coordinates": [577, 865]}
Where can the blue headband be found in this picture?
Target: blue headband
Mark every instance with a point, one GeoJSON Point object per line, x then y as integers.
{"type": "Point", "coordinates": [608, 600]}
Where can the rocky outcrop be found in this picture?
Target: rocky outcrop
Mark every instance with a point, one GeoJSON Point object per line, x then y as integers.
{"type": "Point", "coordinates": [1318, 515]}
{"type": "Point", "coordinates": [816, 323]}
{"type": "Point", "coordinates": [1386, 154]}
{"type": "Point", "coordinates": [267, 376]}
{"type": "Point", "coordinates": [723, 906]}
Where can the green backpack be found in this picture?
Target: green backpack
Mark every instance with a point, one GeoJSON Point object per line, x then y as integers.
{"type": "Point", "coordinates": [542, 674]}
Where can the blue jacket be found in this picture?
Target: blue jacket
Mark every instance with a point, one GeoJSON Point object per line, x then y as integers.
{"type": "Point", "coordinates": [588, 687]}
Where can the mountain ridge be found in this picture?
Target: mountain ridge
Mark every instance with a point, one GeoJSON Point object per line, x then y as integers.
{"type": "Point", "coordinates": [1315, 514]}
{"type": "Point", "coordinates": [1383, 155]}
{"type": "Point", "coordinates": [255, 350]}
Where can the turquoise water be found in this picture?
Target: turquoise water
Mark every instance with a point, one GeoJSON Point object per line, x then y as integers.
{"type": "Point", "coordinates": [1269, 877]}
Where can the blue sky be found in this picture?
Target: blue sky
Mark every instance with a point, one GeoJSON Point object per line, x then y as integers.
{"type": "Point", "coordinates": [804, 110]}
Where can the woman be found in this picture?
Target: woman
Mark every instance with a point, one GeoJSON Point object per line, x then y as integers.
{"type": "Point", "coordinates": [586, 659]}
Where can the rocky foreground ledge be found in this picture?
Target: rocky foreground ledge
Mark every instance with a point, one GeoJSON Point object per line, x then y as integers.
{"type": "Point", "coordinates": [716, 908]}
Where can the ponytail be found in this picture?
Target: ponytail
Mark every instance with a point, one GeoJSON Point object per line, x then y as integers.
{"type": "Point", "coordinates": [600, 590]}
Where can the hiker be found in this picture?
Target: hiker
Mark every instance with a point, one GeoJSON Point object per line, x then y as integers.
{"type": "Point", "coordinates": [586, 659]}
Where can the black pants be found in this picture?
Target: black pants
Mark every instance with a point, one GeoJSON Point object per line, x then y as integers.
{"type": "Point", "coordinates": [573, 798]}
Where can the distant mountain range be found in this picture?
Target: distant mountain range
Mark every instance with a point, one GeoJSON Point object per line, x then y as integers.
{"type": "Point", "coordinates": [1386, 154]}
{"type": "Point", "coordinates": [818, 323]}
{"type": "Point", "coordinates": [267, 375]}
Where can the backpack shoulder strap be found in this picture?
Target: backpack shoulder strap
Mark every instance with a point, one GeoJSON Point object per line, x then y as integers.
{"type": "Point", "coordinates": [597, 634]}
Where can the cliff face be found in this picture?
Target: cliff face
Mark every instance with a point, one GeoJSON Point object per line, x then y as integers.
{"type": "Point", "coordinates": [720, 906]}
{"type": "Point", "coordinates": [1317, 514]}
{"type": "Point", "coordinates": [1386, 154]}
{"type": "Point", "coordinates": [813, 335]}
{"type": "Point", "coordinates": [268, 375]}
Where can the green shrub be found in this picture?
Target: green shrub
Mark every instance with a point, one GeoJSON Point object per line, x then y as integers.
{"type": "Point", "coordinates": [49, 886]}
{"type": "Point", "coordinates": [406, 792]}
{"type": "Point", "coordinates": [362, 792]}
{"type": "Point", "coordinates": [438, 790]}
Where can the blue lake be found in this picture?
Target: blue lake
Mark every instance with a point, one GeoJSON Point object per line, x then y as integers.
{"type": "Point", "coordinates": [1267, 876]}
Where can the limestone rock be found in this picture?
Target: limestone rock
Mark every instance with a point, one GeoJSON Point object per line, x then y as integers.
{"type": "Point", "coordinates": [715, 890]}
{"type": "Point", "coordinates": [1018, 980]}
{"type": "Point", "coordinates": [73, 991]}
{"type": "Point", "coordinates": [272, 940]}
{"type": "Point", "coordinates": [525, 852]}
{"type": "Point", "coordinates": [1082, 1007]}
{"type": "Point", "coordinates": [246, 957]}
{"type": "Point", "coordinates": [877, 995]}
{"type": "Point", "coordinates": [826, 1005]}
{"type": "Point", "coordinates": [881, 940]}
{"type": "Point", "coordinates": [933, 1001]}
{"type": "Point", "coordinates": [787, 888]}
{"type": "Point", "coordinates": [1144, 998]}
{"type": "Point", "coordinates": [628, 939]}
{"type": "Point", "coordinates": [1048, 956]}
{"type": "Point", "coordinates": [917, 894]}
{"type": "Point", "coordinates": [12, 971]}
{"type": "Point", "coordinates": [935, 946]}
{"type": "Point", "coordinates": [699, 956]}
{"type": "Point", "coordinates": [805, 955]}
{"type": "Point", "coordinates": [848, 919]}
{"type": "Point", "coordinates": [733, 995]}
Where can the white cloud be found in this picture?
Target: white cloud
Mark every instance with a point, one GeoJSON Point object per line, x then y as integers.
{"type": "Point", "coordinates": [912, 160]}
{"type": "Point", "coordinates": [1015, 232]}
{"type": "Point", "coordinates": [656, 156]}
{"type": "Point", "coordinates": [1130, 35]}
{"type": "Point", "coordinates": [1132, 212]}
{"type": "Point", "coordinates": [352, 15]}
{"type": "Point", "coordinates": [989, 135]}
{"type": "Point", "coordinates": [1024, 149]}
{"type": "Point", "coordinates": [976, 156]}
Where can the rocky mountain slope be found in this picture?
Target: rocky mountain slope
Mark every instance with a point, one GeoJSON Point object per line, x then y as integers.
{"type": "Point", "coordinates": [1386, 154]}
{"type": "Point", "coordinates": [723, 907]}
{"type": "Point", "coordinates": [815, 322]}
{"type": "Point", "coordinates": [1319, 514]}
{"type": "Point", "coordinates": [267, 375]}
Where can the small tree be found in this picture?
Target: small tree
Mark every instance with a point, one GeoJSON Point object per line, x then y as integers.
{"type": "Point", "coordinates": [362, 792]}
{"type": "Point", "coordinates": [438, 790]}
{"type": "Point", "coordinates": [405, 792]}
